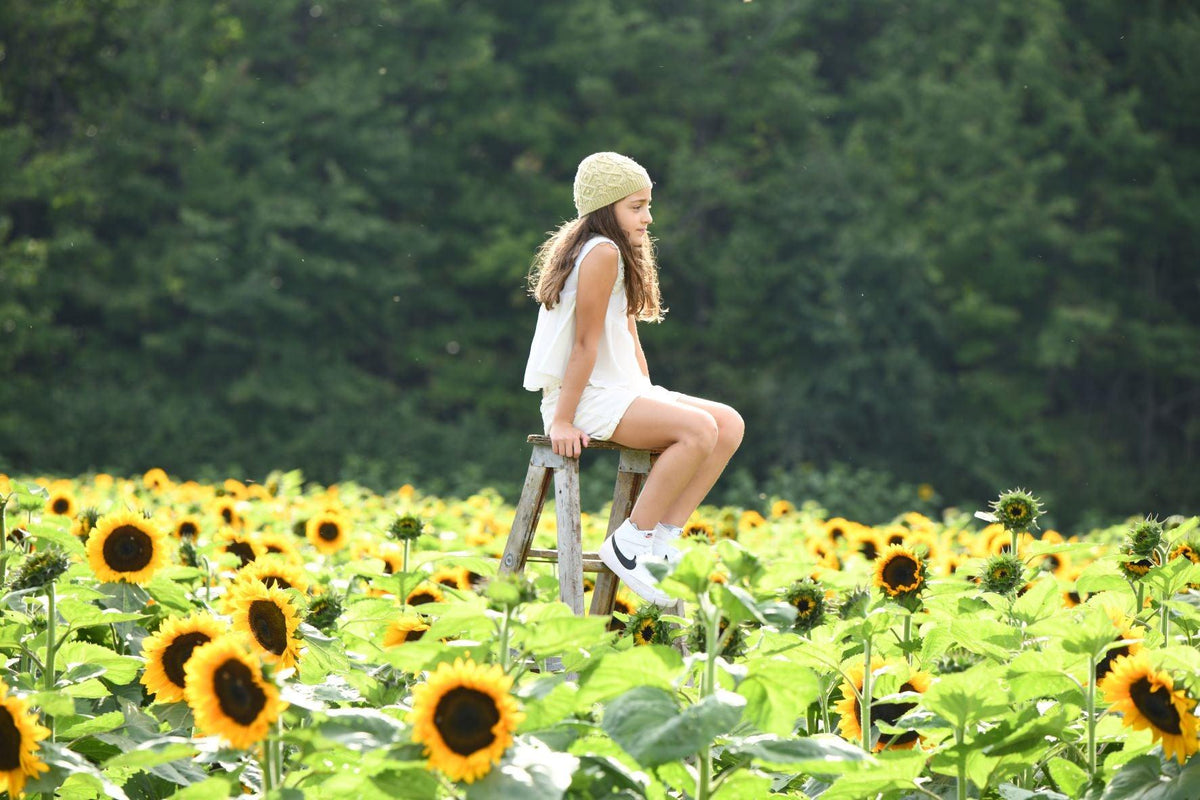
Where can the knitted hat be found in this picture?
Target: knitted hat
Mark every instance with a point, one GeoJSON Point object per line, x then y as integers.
{"type": "Point", "coordinates": [604, 178]}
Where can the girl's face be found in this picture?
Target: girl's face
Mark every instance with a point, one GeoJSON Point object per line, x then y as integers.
{"type": "Point", "coordinates": [633, 215]}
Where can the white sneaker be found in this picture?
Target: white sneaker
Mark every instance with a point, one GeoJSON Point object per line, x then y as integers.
{"type": "Point", "coordinates": [664, 543]}
{"type": "Point", "coordinates": [626, 553]}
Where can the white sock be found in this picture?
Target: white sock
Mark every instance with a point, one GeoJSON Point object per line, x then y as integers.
{"type": "Point", "coordinates": [668, 532]}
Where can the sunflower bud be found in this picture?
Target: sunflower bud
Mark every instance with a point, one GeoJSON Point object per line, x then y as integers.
{"type": "Point", "coordinates": [854, 604]}
{"type": "Point", "coordinates": [1017, 510]}
{"type": "Point", "coordinates": [187, 554]}
{"type": "Point", "coordinates": [1003, 574]}
{"type": "Point", "coordinates": [808, 598]}
{"type": "Point", "coordinates": [1145, 536]}
{"type": "Point", "coordinates": [323, 612]}
{"type": "Point", "coordinates": [509, 591]}
{"type": "Point", "coordinates": [955, 660]}
{"type": "Point", "coordinates": [647, 626]}
{"type": "Point", "coordinates": [735, 644]}
{"type": "Point", "coordinates": [40, 569]}
{"type": "Point", "coordinates": [406, 527]}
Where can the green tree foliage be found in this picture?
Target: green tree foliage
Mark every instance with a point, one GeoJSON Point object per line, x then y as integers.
{"type": "Point", "coordinates": [956, 247]}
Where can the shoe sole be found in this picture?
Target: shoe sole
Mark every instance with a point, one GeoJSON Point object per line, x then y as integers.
{"type": "Point", "coordinates": [639, 587]}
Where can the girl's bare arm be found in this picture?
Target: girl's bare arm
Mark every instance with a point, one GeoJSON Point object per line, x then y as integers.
{"type": "Point", "coordinates": [641, 357]}
{"type": "Point", "coordinates": [597, 276]}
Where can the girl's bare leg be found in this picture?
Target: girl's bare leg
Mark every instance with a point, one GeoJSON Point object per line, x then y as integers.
{"type": "Point", "coordinates": [730, 429]}
{"type": "Point", "coordinates": [687, 436]}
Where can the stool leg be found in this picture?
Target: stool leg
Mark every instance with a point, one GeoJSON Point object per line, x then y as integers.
{"type": "Point", "coordinates": [605, 593]}
{"type": "Point", "coordinates": [570, 535]}
{"type": "Point", "coordinates": [529, 510]}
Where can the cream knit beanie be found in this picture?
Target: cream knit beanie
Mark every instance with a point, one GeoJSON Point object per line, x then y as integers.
{"type": "Point", "coordinates": [604, 178]}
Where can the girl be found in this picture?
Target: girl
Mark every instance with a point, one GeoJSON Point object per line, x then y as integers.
{"type": "Point", "coordinates": [595, 278]}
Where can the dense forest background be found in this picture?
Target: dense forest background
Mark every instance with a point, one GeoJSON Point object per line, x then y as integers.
{"type": "Point", "coordinates": [918, 242]}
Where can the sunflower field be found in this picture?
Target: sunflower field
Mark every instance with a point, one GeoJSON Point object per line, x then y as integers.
{"type": "Point", "coordinates": [290, 640]}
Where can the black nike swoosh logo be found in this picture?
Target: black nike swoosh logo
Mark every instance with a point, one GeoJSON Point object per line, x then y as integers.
{"type": "Point", "coordinates": [628, 563]}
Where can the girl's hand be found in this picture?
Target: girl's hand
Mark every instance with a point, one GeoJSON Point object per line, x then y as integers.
{"type": "Point", "coordinates": [567, 440]}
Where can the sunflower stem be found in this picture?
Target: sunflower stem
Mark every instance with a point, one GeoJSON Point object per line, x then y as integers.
{"type": "Point", "coordinates": [907, 637]}
{"type": "Point", "coordinates": [865, 703]}
{"type": "Point", "coordinates": [1166, 621]}
{"type": "Point", "coordinates": [1140, 592]}
{"type": "Point", "coordinates": [961, 787]}
{"type": "Point", "coordinates": [3, 535]}
{"type": "Point", "coordinates": [268, 779]}
{"type": "Point", "coordinates": [51, 628]}
{"type": "Point", "coordinates": [1091, 718]}
{"type": "Point", "coordinates": [707, 687]}
{"type": "Point", "coordinates": [505, 657]}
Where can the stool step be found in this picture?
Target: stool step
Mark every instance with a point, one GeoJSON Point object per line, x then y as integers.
{"type": "Point", "coordinates": [591, 561]}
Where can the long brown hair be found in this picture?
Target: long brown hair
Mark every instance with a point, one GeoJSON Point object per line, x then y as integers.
{"type": "Point", "coordinates": [556, 258]}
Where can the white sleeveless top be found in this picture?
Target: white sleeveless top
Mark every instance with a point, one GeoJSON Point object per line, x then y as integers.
{"type": "Point", "coordinates": [616, 356]}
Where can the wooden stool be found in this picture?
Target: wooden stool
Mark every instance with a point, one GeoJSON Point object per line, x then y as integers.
{"type": "Point", "coordinates": [572, 561]}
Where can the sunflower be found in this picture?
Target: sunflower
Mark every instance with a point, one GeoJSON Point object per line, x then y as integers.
{"type": "Point", "coordinates": [1003, 574]}
{"type": "Point", "coordinates": [61, 503]}
{"type": "Point", "coordinates": [425, 592]}
{"type": "Point", "coordinates": [1146, 536]}
{"type": "Point", "coordinates": [465, 717]}
{"type": "Point", "coordinates": [899, 572]}
{"type": "Point", "coordinates": [698, 528]}
{"type": "Point", "coordinates": [225, 688]}
{"type": "Point", "coordinates": [808, 599]}
{"type": "Point", "coordinates": [404, 629]}
{"type": "Point", "coordinates": [452, 578]}
{"type": "Point", "coordinates": [1128, 643]}
{"type": "Point", "coordinates": [327, 531]}
{"type": "Point", "coordinates": [1138, 565]}
{"type": "Point", "coordinates": [226, 509]}
{"type": "Point", "coordinates": [623, 605]}
{"type": "Point", "coordinates": [269, 619]}
{"type": "Point", "coordinates": [1148, 698]}
{"type": "Point", "coordinates": [839, 528]}
{"type": "Point", "coordinates": [20, 733]}
{"type": "Point", "coordinates": [245, 547]}
{"type": "Point", "coordinates": [156, 479]}
{"type": "Point", "coordinates": [126, 547]}
{"type": "Point", "coordinates": [275, 572]}
{"type": "Point", "coordinates": [187, 527]}
{"type": "Point", "coordinates": [782, 508]}
{"type": "Point", "coordinates": [1017, 510]}
{"type": "Point", "coordinates": [85, 522]}
{"type": "Point", "coordinates": [866, 542]}
{"type": "Point", "coordinates": [168, 651]}
{"type": "Point", "coordinates": [279, 544]}
{"type": "Point", "coordinates": [647, 626]}
{"type": "Point", "coordinates": [851, 710]}
{"type": "Point", "coordinates": [749, 520]}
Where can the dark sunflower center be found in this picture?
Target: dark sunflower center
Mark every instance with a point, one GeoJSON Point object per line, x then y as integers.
{"type": "Point", "coordinates": [1154, 703]}
{"type": "Point", "coordinates": [1018, 511]}
{"type": "Point", "coordinates": [1000, 574]}
{"type": "Point", "coordinates": [62, 505]}
{"type": "Point", "coordinates": [1053, 562]}
{"type": "Point", "coordinates": [227, 515]}
{"type": "Point", "coordinates": [900, 572]}
{"type": "Point", "coordinates": [329, 531]}
{"type": "Point", "coordinates": [10, 742]}
{"type": "Point", "coordinates": [413, 635]}
{"type": "Point", "coordinates": [464, 718]}
{"type": "Point", "coordinates": [804, 605]}
{"type": "Point", "coordinates": [175, 655]}
{"type": "Point", "coordinates": [128, 549]}
{"type": "Point", "coordinates": [187, 529]}
{"type": "Point", "coordinates": [448, 581]}
{"type": "Point", "coordinates": [388, 568]}
{"type": "Point", "coordinates": [889, 713]}
{"type": "Point", "coordinates": [647, 632]}
{"type": "Point", "coordinates": [421, 598]}
{"type": "Point", "coordinates": [836, 532]}
{"type": "Point", "coordinates": [274, 548]}
{"type": "Point", "coordinates": [896, 538]}
{"type": "Point", "coordinates": [240, 696]}
{"type": "Point", "coordinates": [276, 582]}
{"type": "Point", "coordinates": [242, 550]}
{"type": "Point", "coordinates": [869, 550]}
{"type": "Point", "coordinates": [1105, 664]}
{"type": "Point", "coordinates": [269, 626]}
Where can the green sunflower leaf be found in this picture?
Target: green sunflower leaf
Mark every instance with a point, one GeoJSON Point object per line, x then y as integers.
{"type": "Point", "coordinates": [823, 754]}
{"type": "Point", "coordinates": [776, 692]}
{"type": "Point", "coordinates": [1068, 776]}
{"type": "Point", "coordinates": [649, 726]}
{"type": "Point", "coordinates": [529, 771]}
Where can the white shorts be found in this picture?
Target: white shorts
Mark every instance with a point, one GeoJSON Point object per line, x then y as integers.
{"type": "Point", "coordinates": [600, 408]}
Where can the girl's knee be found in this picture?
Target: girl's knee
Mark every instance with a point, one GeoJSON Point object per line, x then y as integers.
{"type": "Point", "coordinates": [702, 432]}
{"type": "Point", "coordinates": [731, 428]}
